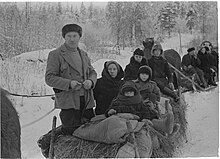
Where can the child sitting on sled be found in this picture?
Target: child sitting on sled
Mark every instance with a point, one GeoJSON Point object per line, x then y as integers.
{"type": "Point", "coordinates": [148, 89]}
{"type": "Point", "coordinates": [161, 73]}
{"type": "Point", "coordinates": [129, 100]}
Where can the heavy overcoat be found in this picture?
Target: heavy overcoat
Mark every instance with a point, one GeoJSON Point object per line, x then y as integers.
{"type": "Point", "coordinates": [61, 70]}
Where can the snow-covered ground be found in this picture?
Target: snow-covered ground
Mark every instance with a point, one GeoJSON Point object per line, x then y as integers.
{"type": "Point", "coordinates": [202, 113]}
{"type": "Point", "coordinates": [203, 125]}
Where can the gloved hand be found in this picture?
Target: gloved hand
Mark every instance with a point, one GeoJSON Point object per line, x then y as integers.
{"type": "Point", "coordinates": [75, 85]}
{"type": "Point", "coordinates": [190, 66]}
{"type": "Point", "coordinates": [171, 86]}
{"type": "Point", "coordinates": [111, 112]}
{"type": "Point", "coordinates": [87, 84]}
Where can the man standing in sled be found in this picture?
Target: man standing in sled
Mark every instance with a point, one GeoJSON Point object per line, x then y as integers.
{"type": "Point", "coordinates": [70, 73]}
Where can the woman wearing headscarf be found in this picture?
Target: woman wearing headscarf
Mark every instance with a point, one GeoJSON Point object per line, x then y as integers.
{"type": "Point", "coordinates": [107, 87]}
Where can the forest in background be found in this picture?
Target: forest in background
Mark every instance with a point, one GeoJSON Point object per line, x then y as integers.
{"type": "Point", "coordinates": [37, 26]}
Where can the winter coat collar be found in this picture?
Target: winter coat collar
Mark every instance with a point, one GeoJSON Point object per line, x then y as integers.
{"type": "Point", "coordinates": [66, 55]}
{"type": "Point", "coordinates": [135, 63]}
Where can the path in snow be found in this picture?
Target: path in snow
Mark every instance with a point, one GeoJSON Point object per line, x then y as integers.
{"type": "Point", "coordinates": [203, 124]}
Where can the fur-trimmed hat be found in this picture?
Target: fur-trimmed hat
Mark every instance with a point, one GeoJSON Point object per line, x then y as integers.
{"type": "Point", "coordinates": [71, 27]}
{"type": "Point", "coordinates": [139, 52]}
{"type": "Point", "coordinates": [190, 49]}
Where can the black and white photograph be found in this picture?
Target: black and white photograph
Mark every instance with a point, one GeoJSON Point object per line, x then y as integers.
{"type": "Point", "coordinates": [109, 79]}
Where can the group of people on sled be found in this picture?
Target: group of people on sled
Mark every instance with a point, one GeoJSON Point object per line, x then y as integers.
{"type": "Point", "coordinates": [203, 64]}
{"type": "Point", "coordinates": [135, 90]}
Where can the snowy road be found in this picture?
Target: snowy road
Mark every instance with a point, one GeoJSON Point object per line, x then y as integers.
{"type": "Point", "coordinates": [202, 117]}
{"type": "Point", "coordinates": [203, 124]}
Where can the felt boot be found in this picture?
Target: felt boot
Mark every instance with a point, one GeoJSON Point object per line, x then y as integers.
{"type": "Point", "coordinates": [165, 124]}
{"type": "Point", "coordinates": [176, 129]}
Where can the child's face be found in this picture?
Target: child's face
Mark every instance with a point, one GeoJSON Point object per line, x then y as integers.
{"type": "Point", "coordinates": [144, 77]}
{"type": "Point", "coordinates": [138, 58]}
{"type": "Point", "coordinates": [157, 52]}
{"type": "Point", "coordinates": [129, 94]}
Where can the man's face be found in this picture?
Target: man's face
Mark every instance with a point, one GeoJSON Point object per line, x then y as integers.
{"type": "Point", "coordinates": [208, 45]}
{"type": "Point", "coordinates": [72, 39]}
{"type": "Point", "coordinates": [138, 58]}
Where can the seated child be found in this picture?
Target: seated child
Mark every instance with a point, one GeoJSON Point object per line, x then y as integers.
{"type": "Point", "coordinates": [161, 73]}
{"type": "Point", "coordinates": [148, 89]}
{"type": "Point", "coordinates": [129, 100]}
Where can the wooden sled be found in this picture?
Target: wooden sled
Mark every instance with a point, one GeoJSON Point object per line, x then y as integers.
{"type": "Point", "coordinates": [159, 144]}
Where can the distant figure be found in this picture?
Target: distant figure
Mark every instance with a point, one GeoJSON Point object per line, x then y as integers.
{"type": "Point", "coordinates": [213, 52]}
{"type": "Point", "coordinates": [148, 44]}
{"type": "Point", "coordinates": [107, 87]}
{"type": "Point", "coordinates": [10, 129]}
{"type": "Point", "coordinates": [190, 66]}
{"type": "Point", "coordinates": [136, 61]}
{"type": "Point", "coordinates": [207, 65]}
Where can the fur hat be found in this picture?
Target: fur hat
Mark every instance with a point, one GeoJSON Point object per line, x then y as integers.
{"type": "Point", "coordinates": [145, 69]}
{"type": "Point", "coordinates": [71, 27]}
{"type": "Point", "coordinates": [190, 49]}
{"type": "Point", "coordinates": [139, 52]}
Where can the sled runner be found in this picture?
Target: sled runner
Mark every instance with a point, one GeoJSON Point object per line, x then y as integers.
{"type": "Point", "coordinates": [122, 138]}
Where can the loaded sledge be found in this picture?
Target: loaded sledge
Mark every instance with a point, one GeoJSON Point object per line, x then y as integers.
{"type": "Point", "coordinates": [121, 136]}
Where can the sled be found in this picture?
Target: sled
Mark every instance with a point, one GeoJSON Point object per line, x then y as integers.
{"type": "Point", "coordinates": [160, 144]}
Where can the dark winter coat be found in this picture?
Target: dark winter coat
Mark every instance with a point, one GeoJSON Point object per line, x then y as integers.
{"type": "Point", "coordinates": [190, 60]}
{"type": "Point", "coordinates": [207, 61]}
{"type": "Point", "coordinates": [134, 105]}
{"type": "Point", "coordinates": [160, 71]}
{"type": "Point", "coordinates": [106, 89]}
{"type": "Point", "coordinates": [215, 58]}
{"type": "Point", "coordinates": [148, 89]}
{"type": "Point", "coordinates": [131, 70]}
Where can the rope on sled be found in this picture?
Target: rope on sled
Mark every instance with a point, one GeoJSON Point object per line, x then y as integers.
{"type": "Point", "coordinates": [23, 95]}
{"type": "Point", "coordinates": [155, 131]}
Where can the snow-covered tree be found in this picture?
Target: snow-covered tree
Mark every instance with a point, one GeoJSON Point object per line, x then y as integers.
{"type": "Point", "coordinates": [167, 18]}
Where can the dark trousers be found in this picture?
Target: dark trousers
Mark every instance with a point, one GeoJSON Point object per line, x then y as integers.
{"type": "Point", "coordinates": [71, 118]}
